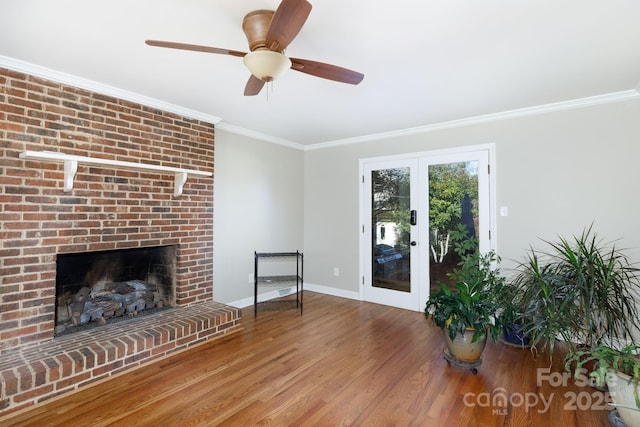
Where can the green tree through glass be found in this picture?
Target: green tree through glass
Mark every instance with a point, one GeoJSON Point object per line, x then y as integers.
{"type": "Point", "coordinates": [448, 183]}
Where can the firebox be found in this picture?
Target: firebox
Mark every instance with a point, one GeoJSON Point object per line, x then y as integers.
{"type": "Point", "coordinates": [95, 288]}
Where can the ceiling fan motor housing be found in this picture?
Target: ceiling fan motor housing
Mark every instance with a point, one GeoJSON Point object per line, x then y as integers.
{"type": "Point", "coordinates": [256, 26]}
{"type": "Point", "coordinates": [264, 63]}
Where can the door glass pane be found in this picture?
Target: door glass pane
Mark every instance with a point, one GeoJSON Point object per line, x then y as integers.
{"type": "Point", "coordinates": [453, 200]}
{"type": "Point", "coordinates": [390, 204]}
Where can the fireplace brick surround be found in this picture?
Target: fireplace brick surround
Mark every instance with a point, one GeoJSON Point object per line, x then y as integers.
{"type": "Point", "coordinates": [107, 209]}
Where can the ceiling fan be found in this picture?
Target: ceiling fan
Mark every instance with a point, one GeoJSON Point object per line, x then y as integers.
{"type": "Point", "coordinates": [269, 33]}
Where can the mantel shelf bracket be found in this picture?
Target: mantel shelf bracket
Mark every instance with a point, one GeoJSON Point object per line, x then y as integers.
{"type": "Point", "coordinates": [70, 170]}
{"type": "Point", "coordinates": [71, 163]}
{"type": "Point", "coordinates": [178, 184]}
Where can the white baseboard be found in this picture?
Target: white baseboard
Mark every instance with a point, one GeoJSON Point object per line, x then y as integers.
{"type": "Point", "coordinates": [266, 296]}
{"type": "Point", "coordinates": [327, 290]}
{"type": "Point", "coordinates": [247, 302]}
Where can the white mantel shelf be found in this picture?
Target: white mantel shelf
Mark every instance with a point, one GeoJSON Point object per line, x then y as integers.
{"type": "Point", "coordinates": [71, 163]}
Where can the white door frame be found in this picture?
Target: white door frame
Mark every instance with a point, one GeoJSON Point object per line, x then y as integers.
{"type": "Point", "coordinates": [422, 279]}
{"type": "Point", "coordinates": [381, 295]}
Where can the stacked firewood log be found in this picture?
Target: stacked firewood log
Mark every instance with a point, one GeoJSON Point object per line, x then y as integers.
{"type": "Point", "coordinates": [115, 300]}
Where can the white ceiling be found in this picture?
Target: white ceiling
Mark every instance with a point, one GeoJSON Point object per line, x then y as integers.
{"type": "Point", "coordinates": [425, 62]}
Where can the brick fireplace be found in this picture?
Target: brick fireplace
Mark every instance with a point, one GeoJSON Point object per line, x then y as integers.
{"type": "Point", "coordinates": [96, 288]}
{"type": "Point", "coordinates": [108, 209]}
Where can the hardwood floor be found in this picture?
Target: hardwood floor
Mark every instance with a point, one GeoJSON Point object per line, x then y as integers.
{"type": "Point", "coordinates": [343, 362]}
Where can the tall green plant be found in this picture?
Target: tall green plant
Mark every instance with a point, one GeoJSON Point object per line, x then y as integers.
{"type": "Point", "coordinates": [581, 290]}
{"type": "Point", "coordinates": [607, 287]}
{"type": "Point", "coordinates": [548, 303]}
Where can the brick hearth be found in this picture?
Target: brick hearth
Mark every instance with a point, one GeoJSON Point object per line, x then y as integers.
{"type": "Point", "coordinates": [34, 374]}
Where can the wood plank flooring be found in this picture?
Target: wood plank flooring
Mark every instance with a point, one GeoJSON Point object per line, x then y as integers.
{"type": "Point", "coordinates": [342, 363]}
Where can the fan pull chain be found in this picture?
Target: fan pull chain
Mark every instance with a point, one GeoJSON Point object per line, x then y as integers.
{"type": "Point", "coordinates": [269, 88]}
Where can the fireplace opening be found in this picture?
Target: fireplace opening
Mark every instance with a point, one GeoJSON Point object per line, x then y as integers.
{"type": "Point", "coordinates": [96, 288]}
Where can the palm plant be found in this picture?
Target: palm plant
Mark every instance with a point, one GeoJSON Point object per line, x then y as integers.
{"type": "Point", "coordinates": [548, 305]}
{"type": "Point", "coordinates": [607, 286]}
{"type": "Point", "coordinates": [582, 290]}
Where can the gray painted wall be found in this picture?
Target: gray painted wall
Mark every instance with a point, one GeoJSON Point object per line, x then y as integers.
{"type": "Point", "coordinates": [557, 172]}
{"type": "Point", "coordinates": [258, 206]}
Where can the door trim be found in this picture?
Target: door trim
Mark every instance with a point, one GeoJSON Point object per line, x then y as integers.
{"type": "Point", "coordinates": [363, 245]}
{"type": "Point", "coordinates": [382, 295]}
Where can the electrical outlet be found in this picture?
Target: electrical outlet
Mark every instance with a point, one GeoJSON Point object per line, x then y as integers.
{"type": "Point", "coordinates": [336, 271]}
{"type": "Point", "coordinates": [250, 277]}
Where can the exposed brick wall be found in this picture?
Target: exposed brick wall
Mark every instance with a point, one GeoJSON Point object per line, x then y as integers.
{"type": "Point", "coordinates": [107, 208]}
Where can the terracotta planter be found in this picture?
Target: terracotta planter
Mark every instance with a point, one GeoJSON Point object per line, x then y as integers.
{"type": "Point", "coordinates": [462, 348]}
{"type": "Point", "coordinates": [622, 394]}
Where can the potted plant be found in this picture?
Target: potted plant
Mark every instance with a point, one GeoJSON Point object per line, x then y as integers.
{"type": "Point", "coordinates": [619, 369]}
{"type": "Point", "coordinates": [607, 287]}
{"type": "Point", "coordinates": [467, 313]}
{"type": "Point", "coordinates": [582, 291]}
{"type": "Point", "coordinates": [548, 304]}
{"type": "Point", "coordinates": [510, 300]}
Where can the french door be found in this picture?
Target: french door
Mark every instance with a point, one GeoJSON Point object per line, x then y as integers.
{"type": "Point", "coordinates": [390, 206]}
{"type": "Point", "coordinates": [409, 205]}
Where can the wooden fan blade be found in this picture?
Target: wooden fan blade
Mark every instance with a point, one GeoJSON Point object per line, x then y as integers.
{"type": "Point", "coordinates": [254, 86]}
{"type": "Point", "coordinates": [286, 23]}
{"type": "Point", "coordinates": [197, 48]}
{"type": "Point", "coordinates": [326, 71]}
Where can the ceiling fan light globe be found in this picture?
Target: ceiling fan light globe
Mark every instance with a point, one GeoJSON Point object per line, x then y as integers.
{"type": "Point", "coordinates": [266, 65]}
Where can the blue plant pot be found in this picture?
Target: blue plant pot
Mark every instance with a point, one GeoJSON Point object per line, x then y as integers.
{"type": "Point", "coordinates": [513, 335]}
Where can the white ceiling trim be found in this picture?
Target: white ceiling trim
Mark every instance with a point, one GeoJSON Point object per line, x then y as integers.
{"type": "Point", "coordinates": [540, 109]}
{"type": "Point", "coordinates": [60, 77]}
{"type": "Point", "coordinates": [47, 73]}
{"type": "Point", "coordinates": [257, 135]}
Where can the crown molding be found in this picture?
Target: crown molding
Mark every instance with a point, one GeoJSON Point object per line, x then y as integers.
{"type": "Point", "coordinates": [79, 82]}
{"type": "Point", "coordinates": [50, 74]}
{"type": "Point", "coordinates": [529, 111]}
{"type": "Point", "coordinates": [257, 135]}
